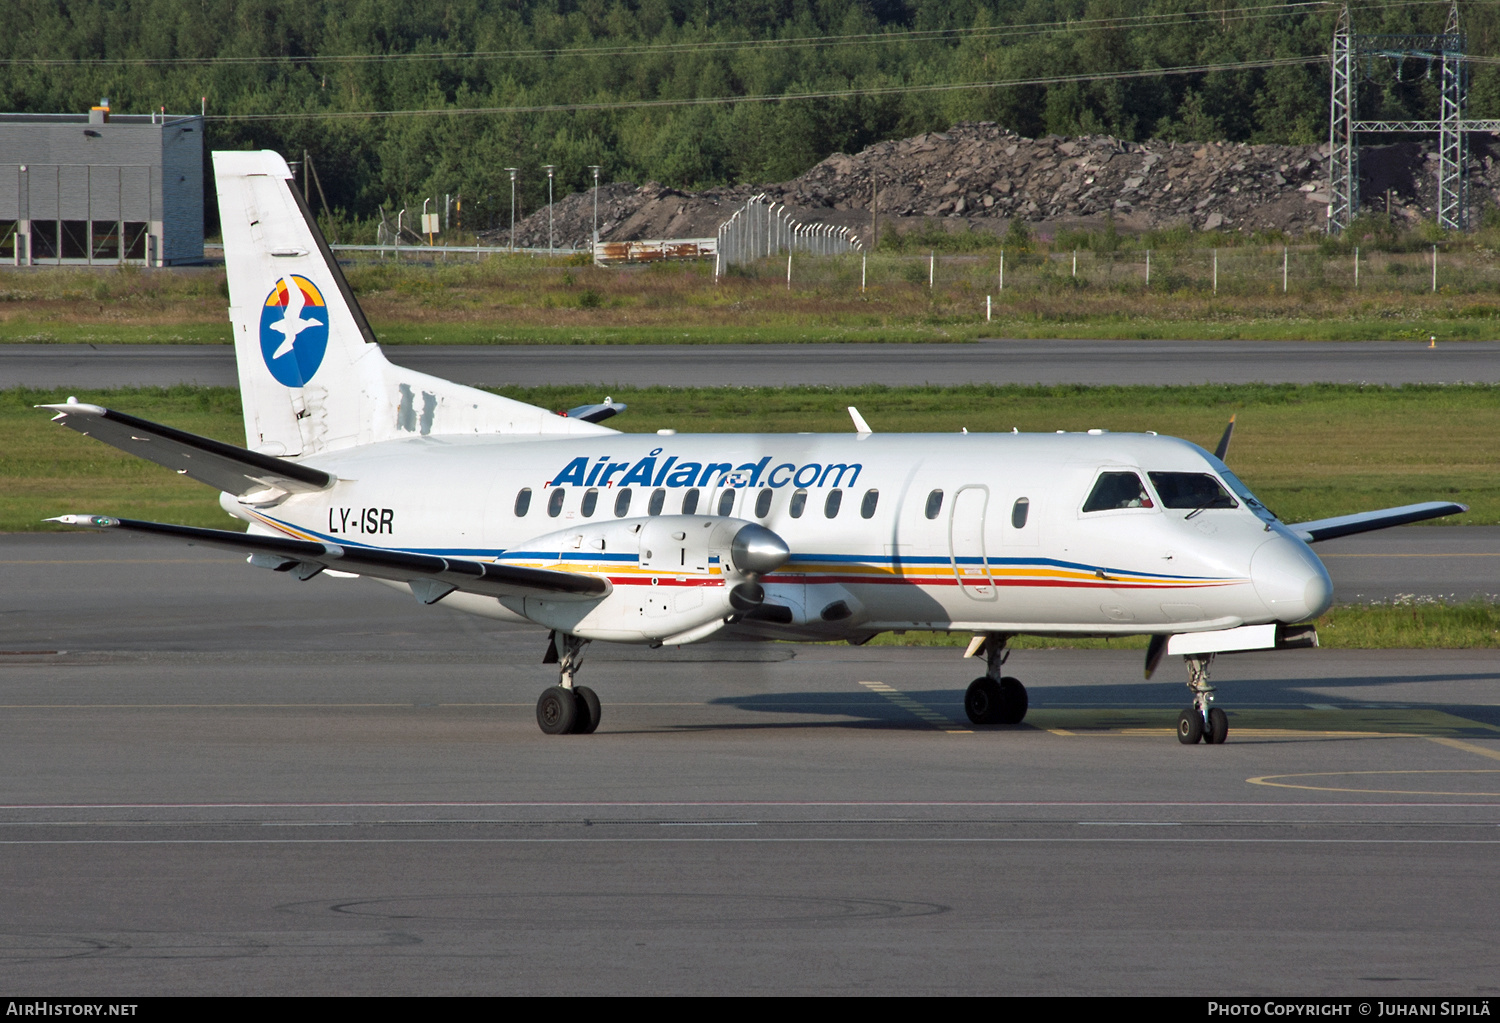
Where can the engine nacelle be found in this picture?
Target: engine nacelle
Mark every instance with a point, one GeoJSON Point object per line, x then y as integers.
{"type": "Point", "coordinates": [674, 578]}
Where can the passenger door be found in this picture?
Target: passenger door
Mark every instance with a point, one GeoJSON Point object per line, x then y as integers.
{"type": "Point", "coordinates": [971, 566]}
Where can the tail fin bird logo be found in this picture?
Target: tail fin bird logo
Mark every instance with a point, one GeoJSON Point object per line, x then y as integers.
{"type": "Point", "coordinates": [294, 330]}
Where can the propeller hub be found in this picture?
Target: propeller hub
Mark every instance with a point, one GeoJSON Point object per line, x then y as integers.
{"type": "Point", "coordinates": [757, 551]}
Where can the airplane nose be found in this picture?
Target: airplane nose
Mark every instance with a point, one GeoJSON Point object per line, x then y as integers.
{"type": "Point", "coordinates": [756, 550]}
{"type": "Point", "coordinates": [1290, 580]}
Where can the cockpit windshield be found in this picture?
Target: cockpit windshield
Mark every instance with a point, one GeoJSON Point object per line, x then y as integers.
{"type": "Point", "coordinates": [1195, 491]}
{"type": "Point", "coordinates": [1244, 494]}
{"type": "Point", "coordinates": [1117, 490]}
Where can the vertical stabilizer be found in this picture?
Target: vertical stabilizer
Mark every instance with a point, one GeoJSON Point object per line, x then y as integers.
{"type": "Point", "coordinates": [312, 377]}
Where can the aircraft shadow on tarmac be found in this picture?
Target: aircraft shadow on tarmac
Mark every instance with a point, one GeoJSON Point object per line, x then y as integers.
{"type": "Point", "coordinates": [1309, 703]}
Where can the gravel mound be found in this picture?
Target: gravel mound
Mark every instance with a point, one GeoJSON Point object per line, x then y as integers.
{"type": "Point", "coordinates": [982, 176]}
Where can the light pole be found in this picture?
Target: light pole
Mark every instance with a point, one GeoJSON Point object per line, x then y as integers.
{"type": "Point", "coordinates": [512, 208]}
{"type": "Point", "coordinates": [550, 168]}
{"type": "Point", "coordinates": [595, 168]}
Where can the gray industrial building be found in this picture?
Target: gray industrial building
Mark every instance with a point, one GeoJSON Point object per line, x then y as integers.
{"type": "Point", "coordinates": [101, 188]}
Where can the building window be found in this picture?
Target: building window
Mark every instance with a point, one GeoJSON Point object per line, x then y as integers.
{"type": "Point", "coordinates": [8, 239]}
{"type": "Point", "coordinates": [135, 239]}
{"type": "Point", "coordinates": [75, 239]}
{"type": "Point", "coordinates": [106, 244]}
{"type": "Point", "coordinates": [43, 240]}
{"type": "Point", "coordinates": [523, 502]}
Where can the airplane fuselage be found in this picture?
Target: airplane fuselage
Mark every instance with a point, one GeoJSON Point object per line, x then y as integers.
{"type": "Point", "coordinates": [889, 531]}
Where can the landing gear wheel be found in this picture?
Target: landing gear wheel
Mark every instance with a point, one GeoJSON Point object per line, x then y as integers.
{"type": "Point", "coordinates": [1013, 701]}
{"type": "Point", "coordinates": [1218, 727]}
{"type": "Point", "coordinates": [1190, 727]}
{"type": "Point", "coordinates": [588, 711]}
{"type": "Point", "coordinates": [984, 701]}
{"type": "Point", "coordinates": [556, 710]}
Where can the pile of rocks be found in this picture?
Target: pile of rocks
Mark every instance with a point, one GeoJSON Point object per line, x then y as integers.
{"type": "Point", "coordinates": [983, 176]}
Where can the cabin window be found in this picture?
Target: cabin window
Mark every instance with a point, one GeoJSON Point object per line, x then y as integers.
{"type": "Point", "coordinates": [658, 502]}
{"type": "Point", "coordinates": [555, 502]}
{"type": "Point", "coordinates": [867, 506]}
{"type": "Point", "coordinates": [726, 503]}
{"type": "Point", "coordinates": [523, 502]}
{"type": "Point", "coordinates": [763, 502]}
{"type": "Point", "coordinates": [690, 502]}
{"type": "Point", "coordinates": [934, 504]}
{"type": "Point", "coordinates": [1116, 490]}
{"type": "Point", "coordinates": [622, 503]}
{"type": "Point", "coordinates": [832, 502]}
{"type": "Point", "coordinates": [1195, 490]}
{"type": "Point", "coordinates": [1019, 511]}
{"type": "Point", "coordinates": [799, 502]}
{"type": "Point", "coordinates": [590, 502]}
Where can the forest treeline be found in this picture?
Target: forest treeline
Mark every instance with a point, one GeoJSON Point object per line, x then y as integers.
{"type": "Point", "coordinates": [292, 58]}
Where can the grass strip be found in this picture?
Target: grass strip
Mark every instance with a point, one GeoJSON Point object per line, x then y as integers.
{"type": "Point", "coordinates": [524, 301]}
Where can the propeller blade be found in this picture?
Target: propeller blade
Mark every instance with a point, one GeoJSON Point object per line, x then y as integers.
{"type": "Point", "coordinates": [1223, 448]}
{"type": "Point", "coordinates": [1154, 653]}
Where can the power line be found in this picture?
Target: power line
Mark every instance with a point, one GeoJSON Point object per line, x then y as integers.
{"type": "Point", "coordinates": [706, 46]}
{"type": "Point", "coordinates": [549, 108]}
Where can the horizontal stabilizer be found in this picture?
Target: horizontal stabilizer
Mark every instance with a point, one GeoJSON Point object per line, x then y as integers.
{"type": "Point", "coordinates": [419, 570]}
{"type": "Point", "coordinates": [224, 466]}
{"type": "Point", "coordinates": [597, 413]}
{"type": "Point", "coordinates": [1363, 522]}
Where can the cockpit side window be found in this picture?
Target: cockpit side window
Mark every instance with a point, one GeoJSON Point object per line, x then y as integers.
{"type": "Point", "coordinates": [1116, 490]}
{"type": "Point", "coordinates": [1192, 490]}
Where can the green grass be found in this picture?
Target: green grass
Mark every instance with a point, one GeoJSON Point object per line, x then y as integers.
{"type": "Point", "coordinates": [1308, 451]}
{"type": "Point", "coordinates": [522, 301]}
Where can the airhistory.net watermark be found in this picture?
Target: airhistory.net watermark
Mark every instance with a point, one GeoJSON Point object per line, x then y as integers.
{"type": "Point", "coordinates": [33, 1007]}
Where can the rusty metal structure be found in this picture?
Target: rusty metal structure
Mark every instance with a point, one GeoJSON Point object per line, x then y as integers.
{"type": "Point", "coordinates": [654, 250]}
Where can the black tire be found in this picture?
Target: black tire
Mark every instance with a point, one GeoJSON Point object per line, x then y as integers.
{"type": "Point", "coordinates": [556, 710]}
{"type": "Point", "coordinates": [1190, 727]}
{"type": "Point", "coordinates": [1013, 701]}
{"type": "Point", "coordinates": [588, 711]}
{"type": "Point", "coordinates": [1218, 727]}
{"type": "Point", "coordinates": [983, 701]}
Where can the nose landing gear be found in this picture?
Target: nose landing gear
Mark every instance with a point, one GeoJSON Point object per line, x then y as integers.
{"type": "Point", "coordinates": [1202, 722]}
{"type": "Point", "coordinates": [567, 709]}
{"type": "Point", "coordinates": [994, 699]}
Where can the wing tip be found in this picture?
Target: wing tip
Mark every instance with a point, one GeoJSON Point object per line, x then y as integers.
{"type": "Point", "coordinates": [94, 521]}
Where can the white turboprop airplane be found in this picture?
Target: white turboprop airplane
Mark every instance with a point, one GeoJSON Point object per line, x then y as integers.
{"type": "Point", "coordinates": [500, 509]}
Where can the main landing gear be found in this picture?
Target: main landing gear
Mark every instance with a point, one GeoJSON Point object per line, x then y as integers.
{"type": "Point", "coordinates": [566, 709]}
{"type": "Point", "coordinates": [1202, 722]}
{"type": "Point", "coordinates": [994, 699]}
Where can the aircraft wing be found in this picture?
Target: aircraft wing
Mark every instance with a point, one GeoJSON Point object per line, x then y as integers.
{"type": "Point", "coordinates": [431, 578]}
{"type": "Point", "coordinates": [1363, 522]}
{"type": "Point", "coordinates": [231, 469]}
